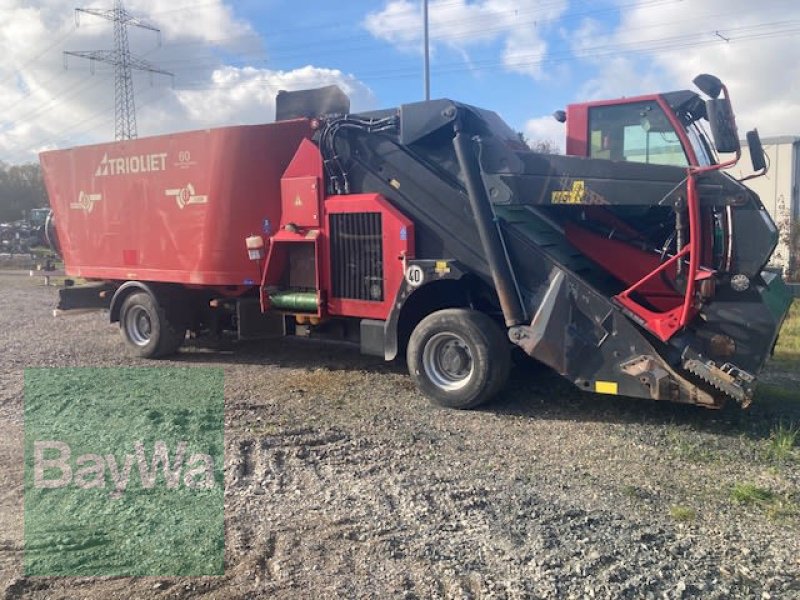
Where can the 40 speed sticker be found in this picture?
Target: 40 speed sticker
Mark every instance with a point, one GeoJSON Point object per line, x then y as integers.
{"type": "Point", "coordinates": [415, 275]}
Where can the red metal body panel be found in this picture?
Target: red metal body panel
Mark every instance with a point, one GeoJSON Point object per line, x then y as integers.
{"type": "Point", "coordinates": [301, 187]}
{"type": "Point", "coordinates": [301, 180]}
{"type": "Point", "coordinates": [628, 264]}
{"type": "Point", "coordinates": [398, 243]}
{"type": "Point", "coordinates": [301, 201]}
{"type": "Point", "coordinates": [277, 261]}
{"type": "Point", "coordinates": [304, 219]}
{"type": "Point", "coordinates": [578, 130]}
{"type": "Point", "coordinates": [173, 208]}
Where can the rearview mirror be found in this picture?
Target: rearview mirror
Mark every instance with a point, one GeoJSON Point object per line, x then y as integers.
{"type": "Point", "coordinates": [757, 156]}
{"type": "Point", "coordinates": [708, 84]}
{"type": "Point", "coordinates": [723, 125]}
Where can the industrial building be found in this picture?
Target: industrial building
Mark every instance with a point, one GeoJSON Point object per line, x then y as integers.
{"type": "Point", "coordinates": [779, 192]}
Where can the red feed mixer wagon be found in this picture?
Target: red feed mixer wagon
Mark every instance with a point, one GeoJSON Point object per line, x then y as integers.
{"type": "Point", "coordinates": [430, 230]}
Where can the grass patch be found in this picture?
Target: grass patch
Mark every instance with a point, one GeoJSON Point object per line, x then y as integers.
{"type": "Point", "coordinates": [781, 399]}
{"type": "Point", "coordinates": [682, 446]}
{"type": "Point", "coordinates": [775, 507]}
{"type": "Point", "coordinates": [782, 441]}
{"type": "Point", "coordinates": [788, 347]}
{"type": "Point", "coordinates": [682, 514]}
{"type": "Point", "coordinates": [782, 509]}
{"type": "Point", "coordinates": [631, 491]}
{"type": "Point", "coordinates": [768, 391]}
{"type": "Point", "coordinates": [748, 493]}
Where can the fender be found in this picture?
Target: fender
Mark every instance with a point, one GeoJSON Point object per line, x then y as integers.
{"type": "Point", "coordinates": [419, 275]}
{"type": "Point", "coordinates": [122, 292]}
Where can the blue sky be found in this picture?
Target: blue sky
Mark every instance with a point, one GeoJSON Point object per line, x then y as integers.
{"type": "Point", "coordinates": [473, 74]}
{"type": "Point", "coordinates": [522, 58]}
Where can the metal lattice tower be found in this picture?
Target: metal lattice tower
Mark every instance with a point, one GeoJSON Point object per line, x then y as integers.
{"type": "Point", "coordinates": [123, 62]}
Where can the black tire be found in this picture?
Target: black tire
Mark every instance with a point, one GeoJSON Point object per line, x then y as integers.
{"type": "Point", "coordinates": [147, 331]}
{"type": "Point", "coordinates": [459, 358]}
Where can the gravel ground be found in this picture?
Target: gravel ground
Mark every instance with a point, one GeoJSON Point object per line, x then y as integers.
{"type": "Point", "coordinates": [343, 481]}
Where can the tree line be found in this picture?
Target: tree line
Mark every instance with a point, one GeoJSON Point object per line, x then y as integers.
{"type": "Point", "coordinates": [21, 189]}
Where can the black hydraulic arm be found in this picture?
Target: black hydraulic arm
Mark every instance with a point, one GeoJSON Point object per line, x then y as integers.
{"type": "Point", "coordinates": [496, 257]}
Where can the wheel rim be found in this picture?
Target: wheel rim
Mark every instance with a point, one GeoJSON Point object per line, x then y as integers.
{"type": "Point", "coordinates": [447, 361]}
{"type": "Point", "coordinates": [138, 325]}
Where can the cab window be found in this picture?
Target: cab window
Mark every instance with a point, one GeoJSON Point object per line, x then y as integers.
{"type": "Point", "coordinates": [636, 132]}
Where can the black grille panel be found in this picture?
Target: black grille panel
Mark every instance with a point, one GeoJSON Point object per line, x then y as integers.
{"type": "Point", "coordinates": [357, 256]}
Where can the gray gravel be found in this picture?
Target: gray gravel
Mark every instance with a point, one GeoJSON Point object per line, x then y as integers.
{"type": "Point", "coordinates": [343, 481]}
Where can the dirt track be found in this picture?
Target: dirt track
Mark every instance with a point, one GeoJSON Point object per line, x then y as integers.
{"type": "Point", "coordinates": [342, 481]}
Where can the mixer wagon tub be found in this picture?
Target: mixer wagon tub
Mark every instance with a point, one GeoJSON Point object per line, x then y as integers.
{"type": "Point", "coordinates": [172, 208]}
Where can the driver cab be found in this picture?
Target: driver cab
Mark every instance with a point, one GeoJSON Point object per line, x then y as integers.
{"type": "Point", "coordinates": [635, 132]}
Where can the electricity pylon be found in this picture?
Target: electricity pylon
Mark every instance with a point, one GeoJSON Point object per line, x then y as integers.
{"type": "Point", "coordinates": [123, 62]}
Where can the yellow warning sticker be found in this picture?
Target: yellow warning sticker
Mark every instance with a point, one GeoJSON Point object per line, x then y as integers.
{"type": "Point", "coordinates": [605, 387]}
{"type": "Point", "coordinates": [575, 195]}
{"type": "Point", "coordinates": [442, 268]}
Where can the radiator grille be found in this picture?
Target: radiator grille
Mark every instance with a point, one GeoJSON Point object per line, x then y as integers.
{"type": "Point", "coordinates": [357, 256]}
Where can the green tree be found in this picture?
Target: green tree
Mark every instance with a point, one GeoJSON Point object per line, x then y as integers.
{"type": "Point", "coordinates": [541, 146]}
{"type": "Point", "coordinates": [21, 189]}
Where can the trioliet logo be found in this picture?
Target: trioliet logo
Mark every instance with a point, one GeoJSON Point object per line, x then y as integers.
{"type": "Point", "coordinates": [186, 195]}
{"type": "Point", "coordinates": [85, 202]}
{"type": "Point", "coordinates": [125, 165]}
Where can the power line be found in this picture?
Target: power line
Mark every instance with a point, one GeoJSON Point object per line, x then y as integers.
{"type": "Point", "coordinates": [74, 89]}
{"type": "Point", "coordinates": [647, 46]}
{"type": "Point", "coordinates": [123, 62]}
{"type": "Point", "coordinates": [60, 136]}
{"type": "Point", "coordinates": [36, 56]}
{"type": "Point", "coordinates": [356, 43]}
{"type": "Point", "coordinates": [756, 31]}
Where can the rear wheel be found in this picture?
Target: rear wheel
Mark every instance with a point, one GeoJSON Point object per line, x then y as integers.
{"type": "Point", "coordinates": [458, 357]}
{"type": "Point", "coordinates": [146, 329]}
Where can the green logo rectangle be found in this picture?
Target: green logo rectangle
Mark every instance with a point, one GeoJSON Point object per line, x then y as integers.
{"type": "Point", "coordinates": [124, 471]}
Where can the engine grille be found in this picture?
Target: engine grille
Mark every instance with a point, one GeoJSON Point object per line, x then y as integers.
{"type": "Point", "coordinates": [357, 256]}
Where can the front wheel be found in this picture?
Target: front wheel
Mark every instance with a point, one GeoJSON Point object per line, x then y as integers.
{"type": "Point", "coordinates": [458, 357]}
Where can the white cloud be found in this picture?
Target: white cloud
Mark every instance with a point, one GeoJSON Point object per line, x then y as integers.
{"type": "Point", "coordinates": [247, 95]}
{"type": "Point", "coordinates": [545, 130]}
{"type": "Point", "coordinates": [43, 106]}
{"type": "Point", "coordinates": [192, 19]}
{"type": "Point", "coordinates": [462, 25]}
{"type": "Point", "coordinates": [659, 46]}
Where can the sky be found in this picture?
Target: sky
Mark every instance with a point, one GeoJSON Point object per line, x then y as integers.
{"type": "Point", "coordinates": [524, 59]}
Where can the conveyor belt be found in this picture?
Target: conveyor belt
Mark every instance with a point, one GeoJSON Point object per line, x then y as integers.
{"type": "Point", "coordinates": [526, 226]}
